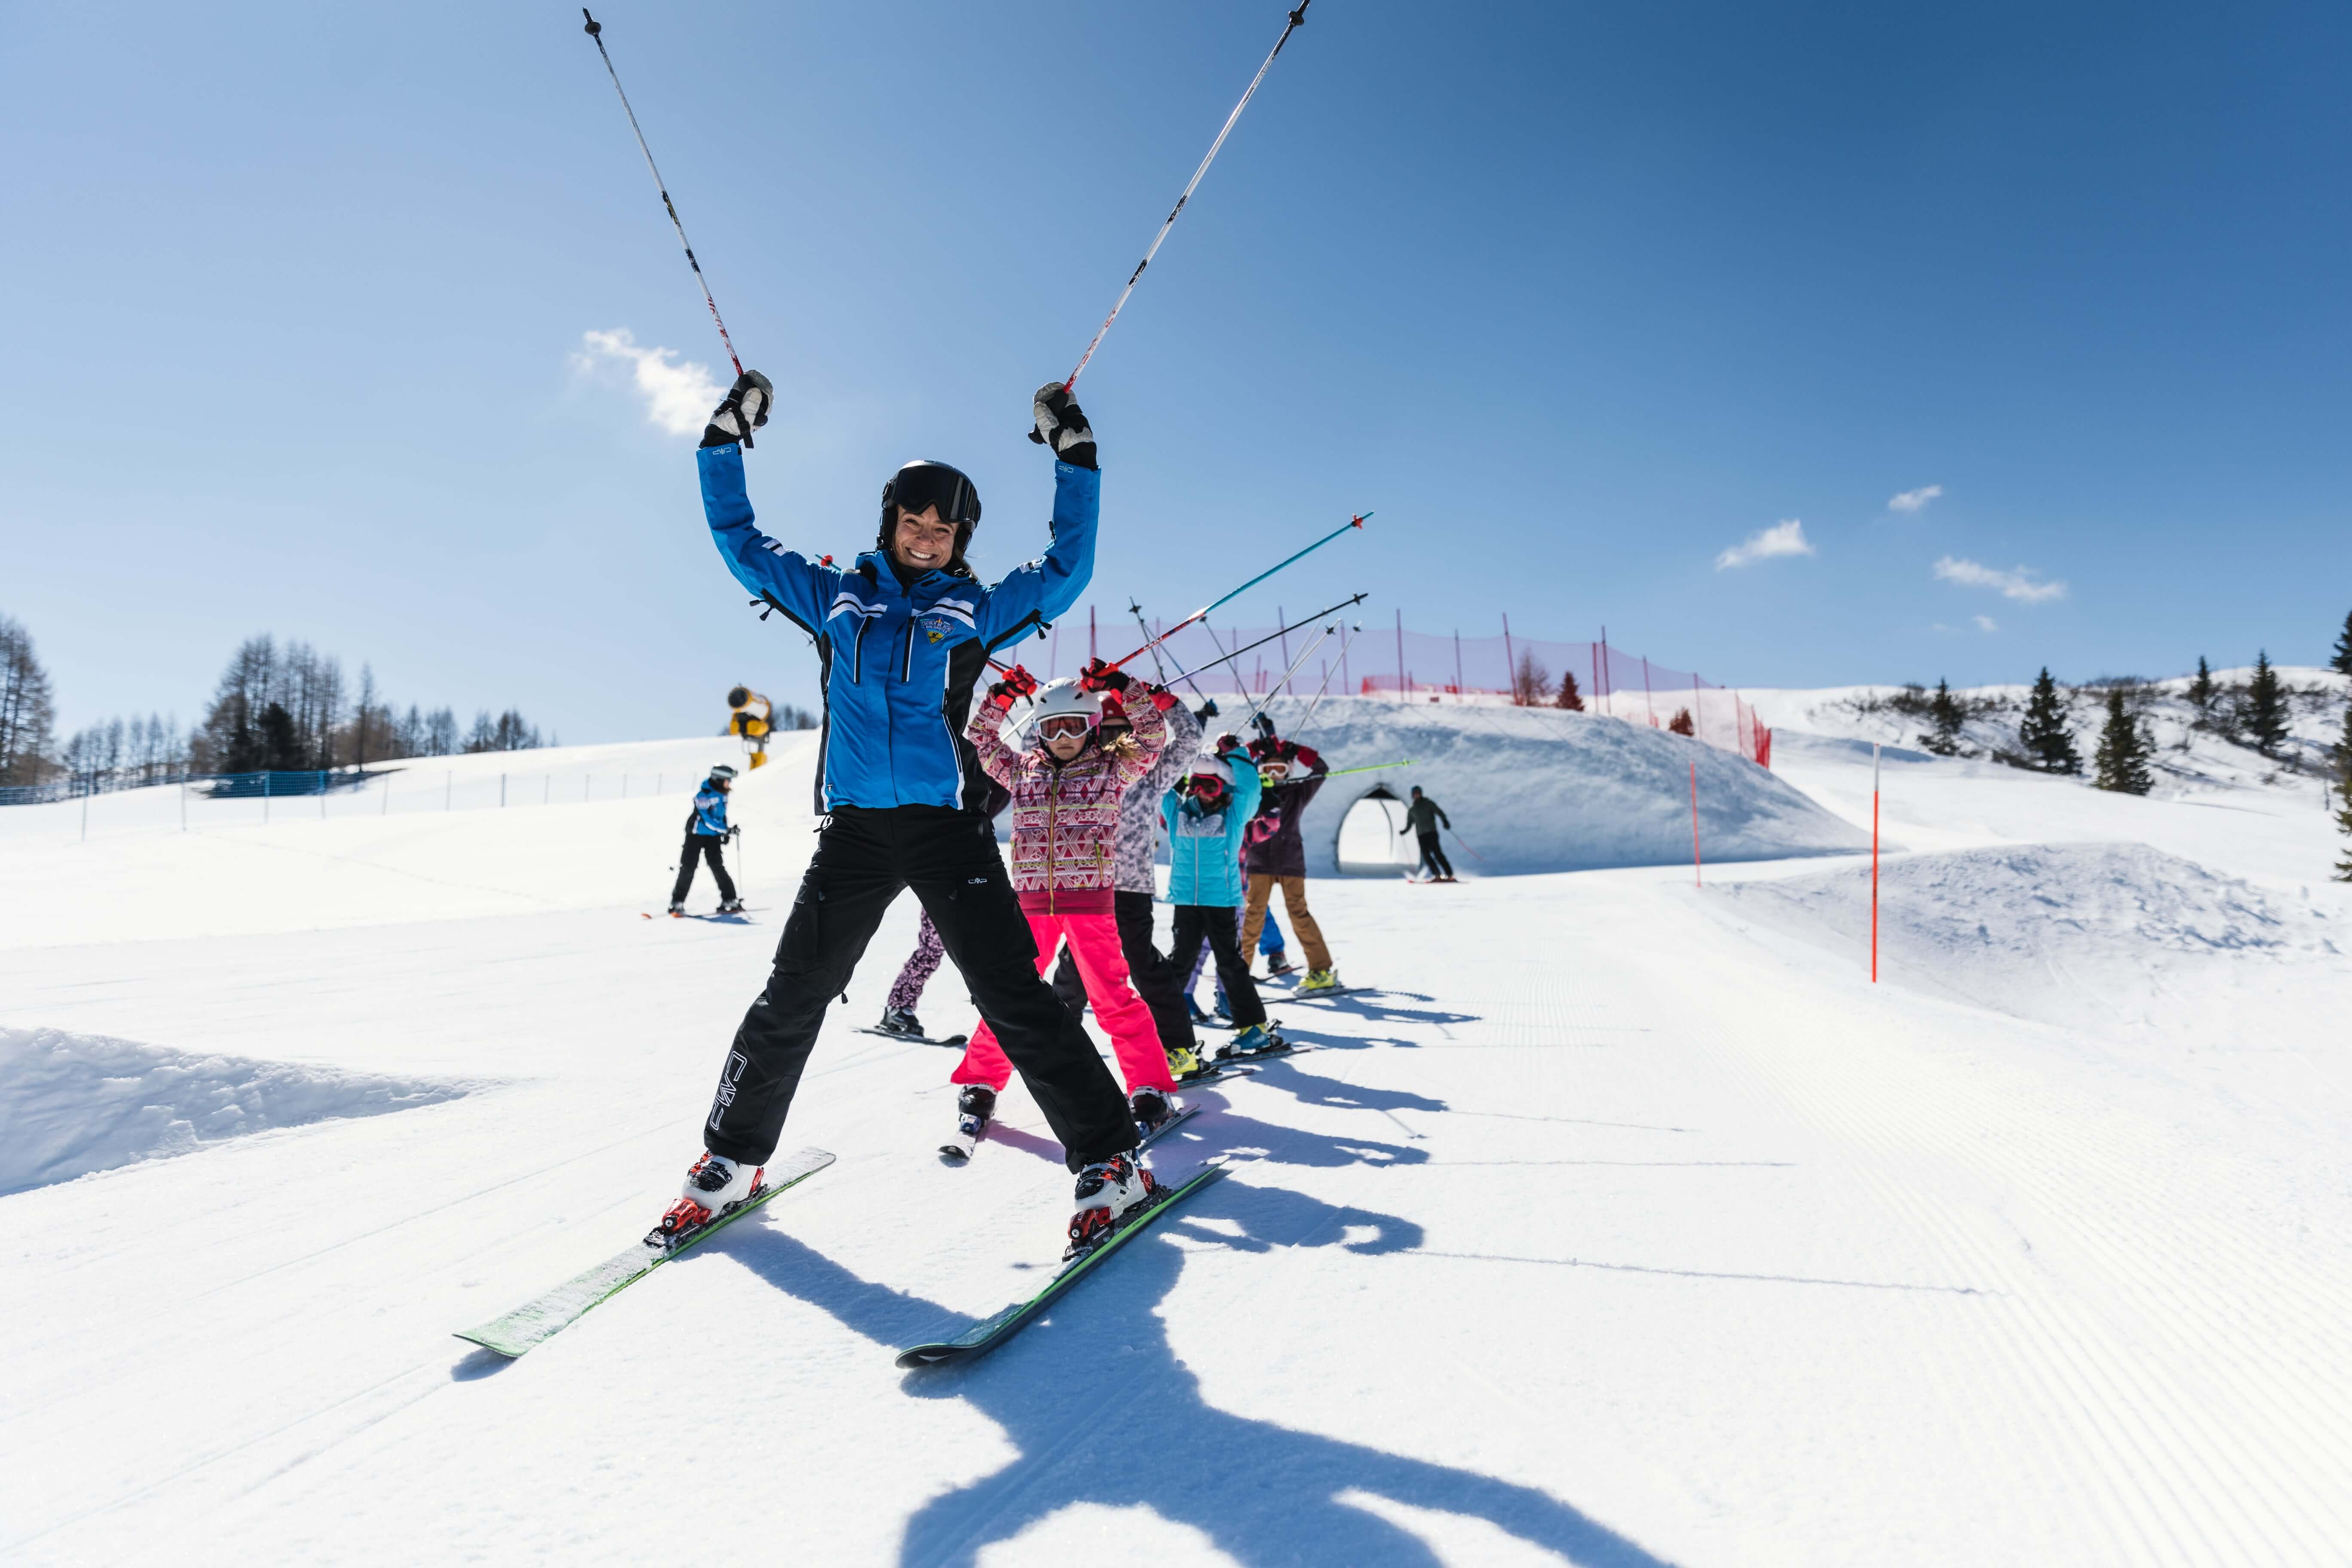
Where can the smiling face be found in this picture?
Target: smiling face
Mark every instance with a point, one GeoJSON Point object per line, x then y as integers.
{"type": "Point", "coordinates": [923, 541]}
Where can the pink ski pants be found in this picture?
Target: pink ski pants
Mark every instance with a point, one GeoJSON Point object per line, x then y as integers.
{"type": "Point", "coordinates": [1094, 942]}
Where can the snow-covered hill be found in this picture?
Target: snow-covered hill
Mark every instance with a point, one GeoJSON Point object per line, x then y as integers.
{"type": "Point", "coordinates": [1613, 1221]}
{"type": "Point", "coordinates": [1534, 789]}
{"type": "Point", "coordinates": [2198, 750]}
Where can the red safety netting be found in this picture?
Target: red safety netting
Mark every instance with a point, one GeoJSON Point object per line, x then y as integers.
{"type": "Point", "coordinates": [1372, 660]}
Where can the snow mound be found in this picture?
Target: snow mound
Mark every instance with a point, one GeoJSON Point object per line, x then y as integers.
{"type": "Point", "coordinates": [1535, 789]}
{"type": "Point", "coordinates": [2071, 933]}
{"type": "Point", "coordinates": [77, 1103]}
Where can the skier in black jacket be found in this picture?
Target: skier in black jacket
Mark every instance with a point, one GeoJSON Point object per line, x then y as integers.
{"type": "Point", "coordinates": [1422, 817]}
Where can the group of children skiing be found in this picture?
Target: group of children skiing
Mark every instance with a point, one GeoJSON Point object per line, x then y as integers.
{"type": "Point", "coordinates": [912, 773]}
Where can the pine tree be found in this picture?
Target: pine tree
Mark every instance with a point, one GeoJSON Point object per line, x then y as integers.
{"type": "Point", "coordinates": [2201, 691]}
{"type": "Point", "coordinates": [1568, 697]}
{"type": "Point", "coordinates": [2265, 707]}
{"type": "Point", "coordinates": [2044, 736]}
{"type": "Point", "coordinates": [2342, 663]}
{"type": "Point", "coordinates": [1946, 716]}
{"type": "Point", "coordinates": [1681, 722]}
{"type": "Point", "coordinates": [2344, 795]}
{"type": "Point", "coordinates": [2122, 758]}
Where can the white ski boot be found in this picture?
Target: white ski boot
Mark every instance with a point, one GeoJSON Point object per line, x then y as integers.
{"type": "Point", "coordinates": [1151, 1107]}
{"type": "Point", "coordinates": [975, 1108]}
{"type": "Point", "coordinates": [1108, 1191]}
{"type": "Point", "coordinates": [714, 1184]}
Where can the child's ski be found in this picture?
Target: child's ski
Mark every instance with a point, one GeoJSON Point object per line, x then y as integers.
{"type": "Point", "coordinates": [535, 1321]}
{"type": "Point", "coordinates": [983, 1337]}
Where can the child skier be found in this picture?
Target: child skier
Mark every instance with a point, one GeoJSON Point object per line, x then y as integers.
{"type": "Point", "coordinates": [1207, 814]}
{"type": "Point", "coordinates": [1293, 773]}
{"type": "Point", "coordinates": [1136, 890]}
{"type": "Point", "coordinates": [705, 830]}
{"type": "Point", "coordinates": [1067, 788]}
{"type": "Point", "coordinates": [901, 637]}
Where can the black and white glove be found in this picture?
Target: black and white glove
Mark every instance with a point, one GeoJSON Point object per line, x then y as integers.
{"type": "Point", "coordinates": [1062, 426]}
{"type": "Point", "coordinates": [744, 410]}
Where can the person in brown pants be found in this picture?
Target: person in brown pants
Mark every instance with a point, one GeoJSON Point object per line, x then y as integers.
{"type": "Point", "coordinates": [1275, 854]}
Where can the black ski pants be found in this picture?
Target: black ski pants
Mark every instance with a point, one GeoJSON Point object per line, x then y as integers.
{"type": "Point", "coordinates": [1215, 923]}
{"type": "Point", "coordinates": [701, 846]}
{"type": "Point", "coordinates": [864, 859]}
{"type": "Point", "coordinates": [1432, 858]}
{"type": "Point", "coordinates": [1162, 990]}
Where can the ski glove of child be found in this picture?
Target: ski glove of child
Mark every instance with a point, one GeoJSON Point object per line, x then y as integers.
{"type": "Point", "coordinates": [1017, 682]}
{"type": "Point", "coordinates": [744, 410]}
{"type": "Point", "coordinates": [1062, 426]}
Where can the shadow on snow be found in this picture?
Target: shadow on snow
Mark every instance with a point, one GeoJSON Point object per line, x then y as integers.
{"type": "Point", "coordinates": [1102, 1369]}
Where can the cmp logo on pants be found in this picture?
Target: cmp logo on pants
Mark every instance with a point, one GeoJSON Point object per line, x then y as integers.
{"type": "Point", "coordinates": [727, 1082]}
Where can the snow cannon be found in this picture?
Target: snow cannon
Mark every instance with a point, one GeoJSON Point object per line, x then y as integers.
{"type": "Point", "coordinates": [754, 717]}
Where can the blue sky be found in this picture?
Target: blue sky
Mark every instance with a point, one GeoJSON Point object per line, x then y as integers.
{"type": "Point", "coordinates": [1579, 299]}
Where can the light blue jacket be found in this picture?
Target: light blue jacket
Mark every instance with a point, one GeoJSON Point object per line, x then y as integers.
{"type": "Point", "coordinates": [897, 664]}
{"type": "Point", "coordinates": [1204, 852]}
{"type": "Point", "coordinates": [709, 818]}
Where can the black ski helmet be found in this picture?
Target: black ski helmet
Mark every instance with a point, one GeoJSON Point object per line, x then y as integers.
{"type": "Point", "coordinates": [924, 483]}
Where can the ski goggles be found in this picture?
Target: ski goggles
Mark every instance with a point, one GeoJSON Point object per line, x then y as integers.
{"type": "Point", "coordinates": [1062, 724]}
{"type": "Point", "coordinates": [927, 484]}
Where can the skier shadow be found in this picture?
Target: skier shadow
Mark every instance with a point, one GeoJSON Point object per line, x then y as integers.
{"type": "Point", "coordinates": [1102, 1369]}
{"type": "Point", "coordinates": [1313, 1089]}
{"type": "Point", "coordinates": [1367, 1006]}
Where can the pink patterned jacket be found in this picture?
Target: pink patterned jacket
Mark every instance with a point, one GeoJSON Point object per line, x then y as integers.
{"type": "Point", "coordinates": [1066, 815]}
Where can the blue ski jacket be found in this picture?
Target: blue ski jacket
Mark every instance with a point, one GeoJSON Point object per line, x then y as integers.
{"type": "Point", "coordinates": [897, 664]}
{"type": "Point", "coordinates": [1204, 848]}
{"type": "Point", "coordinates": [709, 818]}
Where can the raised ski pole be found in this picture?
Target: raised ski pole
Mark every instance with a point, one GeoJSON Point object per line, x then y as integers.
{"type": "Point", "coordinates": [1274, 690]}
{"type": "Point", "coordinates": [1135, 608]}
{"type": "Point", "coordinates": [1298, 19]}
{"type": "Point", "coordinates": [1355, 522]}
{"type": "Point", "coordinates": [1368, 768]}
{"type": "Point", "coordinates": [1281, 631]}
{"type": "Point", "coordinates": [1345, 643]}
{"type": "Point", "coordinates": [595, 30]}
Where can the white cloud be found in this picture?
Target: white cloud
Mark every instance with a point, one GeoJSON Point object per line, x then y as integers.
{"type": "Point", "coordinates": [1786, 538]}
{"type": "Point", "coordinates": [678, 395]}
{"type": "Point", "coordinates": [1915, 501]}
{"type": "Point", "coordinates": [1986, 624]}
{"type": "Point", "coordinates": [2017, 584]}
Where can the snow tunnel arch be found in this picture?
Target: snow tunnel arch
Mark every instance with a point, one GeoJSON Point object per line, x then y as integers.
{"type": "Point", "coordinates": [1367, 839]}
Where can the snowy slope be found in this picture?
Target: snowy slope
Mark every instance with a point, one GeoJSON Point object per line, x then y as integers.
{"type": "Point", "coordinates": [1533, 789]}
{"type": "Point", "coordinates": [79, 1103]}
{"type": "Point", "coordinates": [1619, 1223]}
{"type": "Point", "coordinates": [391, 851]}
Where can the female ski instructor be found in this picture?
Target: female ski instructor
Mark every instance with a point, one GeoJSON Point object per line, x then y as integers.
{"type": "Point", "coordinates": [901, 637]}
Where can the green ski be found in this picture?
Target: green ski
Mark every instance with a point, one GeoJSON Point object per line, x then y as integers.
{"type": "Point", "coordinates": [983, 1337]}
{"type": "Point", "coordinates": [535, 1321]}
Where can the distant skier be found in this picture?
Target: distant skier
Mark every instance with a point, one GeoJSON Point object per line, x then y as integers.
{"type": "Point", "coordinates": [1137, 890]}
{"type": "Point", "coordinates": [1207, 814]}
{"type": "Point", "coordinates": [1422, 817]}
{"type": "Point", "coordinates": [1067, 788]}
{"type": "Point", "coordinates": [1292, 774]}
{"type": "Point", "coordinates": [705, 830]}
{"type": "Point", "coordinates": [907, 991]}
{"type": "Point", "coordinates": [902, 636]}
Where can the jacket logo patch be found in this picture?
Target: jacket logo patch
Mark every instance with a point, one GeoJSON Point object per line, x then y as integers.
{"type": "Point", "coordinates": [937, 630]}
